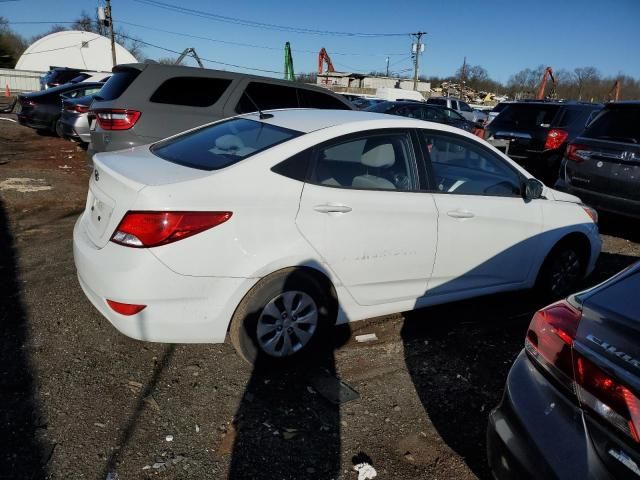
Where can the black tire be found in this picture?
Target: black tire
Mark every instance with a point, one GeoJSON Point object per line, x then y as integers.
{"type": "Point", "coordinates": [243, 331]}
{"type": "Point", "coordinates": [562, 271]}
{"type": "Point", "coordinates": [57, 128]}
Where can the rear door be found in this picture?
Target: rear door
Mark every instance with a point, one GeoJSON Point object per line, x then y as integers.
{"type": "Point", "coordinates": [487, 234]}
{"type": "Point", "coordinates": [363, 211]}
{"type": "Point", "coordinates": [608, 154]}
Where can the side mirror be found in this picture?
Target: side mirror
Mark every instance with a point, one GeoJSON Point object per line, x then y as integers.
{"type": "Point", "coordinates": [532, 189]}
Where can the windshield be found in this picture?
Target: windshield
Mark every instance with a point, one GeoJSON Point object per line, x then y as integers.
{"type": "Point", "coordinates": [619, 124]}
{"type": "Point", "coordinates": [220, 145]}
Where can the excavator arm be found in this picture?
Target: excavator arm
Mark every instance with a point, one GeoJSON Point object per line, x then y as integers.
{"type": "Point", "coordinates": [323, 56]}
{"type": "Point", "coordinates": [548, 73]}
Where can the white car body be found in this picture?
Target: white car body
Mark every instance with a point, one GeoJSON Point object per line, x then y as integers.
{"type": "Point", "coordinates": [388, 251]}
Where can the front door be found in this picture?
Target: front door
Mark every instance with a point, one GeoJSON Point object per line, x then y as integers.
{"type": "Point", "coordinates": [487, 233]}
{"type": "Point", "coordinates": [363, 212]}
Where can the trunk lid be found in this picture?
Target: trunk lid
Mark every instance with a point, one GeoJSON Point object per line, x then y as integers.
{"type": "Point", "coordinates": [115, 183]}
{"type": "Point", "coordinates": [609, 337]}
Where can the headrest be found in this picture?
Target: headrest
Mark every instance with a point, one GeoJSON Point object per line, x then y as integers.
{"type": "Point", "coordinates": [229, 143]}
{"type": "Point", "coordinates": [379, 156]}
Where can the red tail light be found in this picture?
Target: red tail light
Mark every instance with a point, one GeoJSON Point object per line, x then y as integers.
{"type": "Point", "coordinates": [555, 139]}
{"type": "Point", "coordinates": [578, 153]}
{"type": "Point", "coordinates": [151, 229]}
{"type": "Point", "coordinates": [76, 108]}
{"type": "Point", "coordinates": [117, 119]}
{"type": "Point", "coordinates": [549, 343]}
{"type": "Point", "coordinates": [127, 309]}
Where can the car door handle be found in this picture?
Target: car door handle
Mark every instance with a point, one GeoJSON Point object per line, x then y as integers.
{"type": "Point", "coordinates": [329, 208]}
{"type": "Point", "coordinates": [460, 213]}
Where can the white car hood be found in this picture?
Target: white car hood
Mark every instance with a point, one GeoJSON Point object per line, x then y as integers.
{"type": "Point", "coordinates": [561, 196]}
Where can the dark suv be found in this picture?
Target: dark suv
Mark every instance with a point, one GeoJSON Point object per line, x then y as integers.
{"type": "Point", "coordinates": [602, 165]}
{"type": "Point", "coordinates": [535, 134]}
{"type": "Point", "coordinates": [144, 103]}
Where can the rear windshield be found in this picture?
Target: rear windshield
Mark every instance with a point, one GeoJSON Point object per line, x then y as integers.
{"type": "Point", "coordinates": [619, 124]}
{"type": "Point", "coordinates": [222, 144]}
{"type": "Point", "coordinates": [438, 101]}
{"type": "Point", "coordinates": [117, 84]}
{"type": "Point", "coordinates": [526, 116]}
{"type": "Point", "coordinates": [619, 297]}
{"type": "Point", "coordinates": [575, 117]}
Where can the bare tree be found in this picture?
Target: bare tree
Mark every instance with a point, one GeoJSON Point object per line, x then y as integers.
{"type": "Point", "coordinates": [11, 45]}
{"type": "Point", "coordinates": [584, 76]}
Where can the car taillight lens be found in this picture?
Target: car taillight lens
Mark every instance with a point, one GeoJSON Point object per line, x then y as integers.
{"type": "Point", "coordinates": [555, 139]}
{"type": "Point", "coordinates": [29, 103]}
{"type": "Point", "coordinates": [151, 229]}
{"type": "Point", "coordinates": [550, 338]}
{"type": "Point", "coordinates": [117, 119]}
{"type": "Point", "coordinates": [550, 343]}
{"type": "Point", "coordinates": [77, 108]}
{"type": "Point", "coordinates": [578, 153]}
{"type": "Point", "coordinates": [126, 309]}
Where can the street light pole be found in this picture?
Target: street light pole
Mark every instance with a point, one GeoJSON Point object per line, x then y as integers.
{"type": "Point", "coordinates": [416, 66]}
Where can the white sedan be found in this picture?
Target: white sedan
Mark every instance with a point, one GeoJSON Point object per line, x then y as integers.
{"type": "Point", "coordinates": [274, 227]}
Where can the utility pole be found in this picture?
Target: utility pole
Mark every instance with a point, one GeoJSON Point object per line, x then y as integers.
{"type": "Point", "coordinates": [417, 48]}
{"type": "Point", "coordinates": [109, 22]}
{"type": "Point", "coordinates": [387, 66]}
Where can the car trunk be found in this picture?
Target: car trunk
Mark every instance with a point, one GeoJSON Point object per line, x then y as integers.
{"type": "Point", "coordinates": [611, 168]}
{"type": "Point", "coordinates": [608, 337]}
{"type": "Point", "coordinates": [116, 182]}
{"type": "Point", "coordinates": [521, 129]}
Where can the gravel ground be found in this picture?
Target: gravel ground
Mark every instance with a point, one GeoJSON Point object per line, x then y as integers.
{"type": "Point", "coordinates": [79, 400]}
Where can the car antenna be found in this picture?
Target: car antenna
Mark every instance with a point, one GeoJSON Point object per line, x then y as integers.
{"type": "Point", "coordinates": [262, 116]}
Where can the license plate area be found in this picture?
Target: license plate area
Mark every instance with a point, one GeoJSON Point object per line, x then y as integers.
{"type": "Point", "coordinates": [100, 209]}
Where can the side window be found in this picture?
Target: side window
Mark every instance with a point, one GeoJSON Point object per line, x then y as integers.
{"type": "Point", "coordinates": [464, 107]}
{"type": "Point", "coordinates": [454, 105]}
{"type": "Point", "coordinates": [382, 161]}
{"type": "Point", "coordinates": [90, 91]}
{"type": "Point", "coordinates": [295, 167]}
{"type": "Point", "coordinates": [267, 96]}
{"type": "Point", "coordinates": [313, 99]}
{"type": "Point", "coordinates": [190, 91]}
{"type": "Point", "coordinates": [433, 115]}
{"type": "Point", "coordinates": [438, 101]}
{"type": "Point", "coordinates": [460, 166]}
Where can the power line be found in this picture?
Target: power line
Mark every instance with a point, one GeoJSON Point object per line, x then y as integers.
{"type": "Point", "coordinates": [255, 24]}
{"type": "Point", "coordinates": [203, 59]}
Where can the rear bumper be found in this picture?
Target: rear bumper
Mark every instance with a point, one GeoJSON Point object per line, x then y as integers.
{"type": "Point", "coordinates": [604, 202]}
{"type": "Point", "coordinates": [75, 130]}
{"type": "Point", "coordinates": [30, 121]}
{"type": "Point", "coordinates": [180, 309]}
{"type": "Point", "coordinates": [538, 432]}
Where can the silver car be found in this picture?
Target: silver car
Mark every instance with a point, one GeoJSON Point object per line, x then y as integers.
{"type": "Point", "coordinates": [461, 107]}
{"type": "Point", "coordinates": [74, 121]}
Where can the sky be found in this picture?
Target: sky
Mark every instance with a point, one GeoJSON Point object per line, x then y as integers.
{"type": "Point", "coordinates": [502, 36]}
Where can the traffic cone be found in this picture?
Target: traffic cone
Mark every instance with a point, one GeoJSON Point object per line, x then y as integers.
{"type": "Point", "coordinates": [7, 90]}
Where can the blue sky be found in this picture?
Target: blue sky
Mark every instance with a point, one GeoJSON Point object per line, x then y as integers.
{"type": "Point", "coordinates": [502, 36]}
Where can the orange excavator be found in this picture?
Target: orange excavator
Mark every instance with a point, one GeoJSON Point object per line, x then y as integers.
{"type": "Point", "coordinates": [614, 93]}
{"type": "Point", "coordinates": [323, 56]}
{"type": "Point", "coordinates": [548, 73]}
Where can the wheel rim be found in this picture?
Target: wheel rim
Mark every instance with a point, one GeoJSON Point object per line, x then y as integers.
{"type": "Point", "coordinates": [566, 272]}
{"type": "Point", "coordinates": [287, 324]}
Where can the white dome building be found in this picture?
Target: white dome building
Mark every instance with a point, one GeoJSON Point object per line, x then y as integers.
{"type": "Point", "coordinates": [73, 49]}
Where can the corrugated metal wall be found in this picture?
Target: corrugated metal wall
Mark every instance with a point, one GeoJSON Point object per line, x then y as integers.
{"type": "Point", "coordinates": [19, 80]}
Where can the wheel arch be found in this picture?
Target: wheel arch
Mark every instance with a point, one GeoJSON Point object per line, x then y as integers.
{"type": "Point", "coordinates": [577, 238]}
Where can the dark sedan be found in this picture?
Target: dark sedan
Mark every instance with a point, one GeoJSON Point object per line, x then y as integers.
{"type": "Point", "coordinates": [422, 111]}
{"type": "Point", "coordinates": [571, 406]}
{"type": "Point", "coordinates": [41, 110]}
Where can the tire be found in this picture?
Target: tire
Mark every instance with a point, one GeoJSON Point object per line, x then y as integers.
{"type": "Point", "coordinates": [561, 272]}
{"type": "Point", "coordinates": [260, 335]}
{"type": "Point", "coordinates": [58, 129]}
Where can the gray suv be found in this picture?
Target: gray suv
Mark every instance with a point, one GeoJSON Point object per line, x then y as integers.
{"type": "Point", "coordinates": [144, 103]}
{"type": "Point", "coordinates": [461, 107]}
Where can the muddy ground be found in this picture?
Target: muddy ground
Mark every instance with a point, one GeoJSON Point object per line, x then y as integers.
{"type": "Point", "coordinates": [78, 400]}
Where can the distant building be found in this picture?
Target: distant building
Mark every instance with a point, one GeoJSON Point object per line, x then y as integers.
{"type": "Point", "coordinates": [360, 81]}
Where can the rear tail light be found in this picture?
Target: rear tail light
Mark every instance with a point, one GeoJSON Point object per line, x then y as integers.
{"type": "Point", "coordinates": [127, 309]}
{"type": "Point", "coordinates": [555, 139]}
{"type": "Point", "coordinates": [151, 229]}
{"type": "Point", "coordinates": [117, 119]}
{"type": "Point", "coordinates": [25, 102]}
{"type": "Point", "coordinates": [550, 343]}
{"type": "Point", "coordinates": [578, 153]}
{"type": "Point", "coordinates": [76, 108]}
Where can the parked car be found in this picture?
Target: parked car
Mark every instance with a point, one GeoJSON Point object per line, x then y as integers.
{"type": "Point", "coordinates": [144, 103]}
{"type": "Point", "coordinates": [41, 110]}
{"type": "Point", "coordinates": [602, 165]}
{"type": "Point", "coordinates": [364, 103]}
{"type": "Point", "coordinates": [535, 134]}
{"type": "Point", "coordinates": [60, 75]}
{"type": "Point", "coordinates": [276, 226]}
{"type": "Point", "coordinates": [461, 107]}
{"type": "Point", "coordinates": [571, 406]}
{"type": "Point", "coordinates": [74, 119]}
{"type": "Point", "coordinates": [423, 111]}
{"type": "Point", "coordinates": [495, 111]}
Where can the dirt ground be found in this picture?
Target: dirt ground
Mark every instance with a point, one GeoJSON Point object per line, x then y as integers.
{"type": "Point", "coordinates": [78, 400]}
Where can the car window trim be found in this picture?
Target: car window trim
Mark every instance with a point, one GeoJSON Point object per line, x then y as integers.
{"type": "Point", "coordinates": [431, 172]}
{"type": "Point", "coordinates": [413, 162]}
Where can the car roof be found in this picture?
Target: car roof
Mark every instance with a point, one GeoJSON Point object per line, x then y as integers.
{"type": "Point", "coordinates": [307, 120]}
